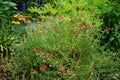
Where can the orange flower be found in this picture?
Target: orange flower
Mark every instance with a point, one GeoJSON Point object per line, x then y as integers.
{"type": "Point", "coordinates": [15, 22]}
{"type": "Point", "coordinates": [26, 21]}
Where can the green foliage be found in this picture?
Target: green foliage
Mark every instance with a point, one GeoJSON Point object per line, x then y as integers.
{"type": "Point", "coordinates": [6, 40]}
{"type": "Point", "coordinates": [9, 35]}
{"type": "Point", "coordinates": [108, 10]}
{"type": "Point", "coordinates": [107, 66]}
{"type": "Point", "coordinates": [34, 11]}
{"type": "Point", "coordinates": [60, 7]}
{"type": "Point", "coordinates": [98, 7]}
{"type": "Point", "coordinates": [40, 12]}
{"type": "Point", "coordinates": [112, 21]}
{"type": "Point", "coordinates": [7, 8]}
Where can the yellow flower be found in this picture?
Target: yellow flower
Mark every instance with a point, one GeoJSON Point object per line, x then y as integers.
{"type": "Point", "coordinates": [15, 22]}
{"type": "Point", "coordinates": [26, 21]}
{"type": "Point", "coordinates": [17, 16]}
{"type": "Point", "coordinates": [21, 19]}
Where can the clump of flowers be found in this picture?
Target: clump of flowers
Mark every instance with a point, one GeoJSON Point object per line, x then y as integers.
{"type": "Point", "coordinates": [43, 68]}
{"type": "Point", "coordinates": [16, 22]}
{"type": "Point", "coordinates": [62, 69]}
{"type": "Point", "coordinates": [21, 19]}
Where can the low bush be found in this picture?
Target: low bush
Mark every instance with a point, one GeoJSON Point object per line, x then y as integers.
{"type": "Point", "coordinates": [59, 48]}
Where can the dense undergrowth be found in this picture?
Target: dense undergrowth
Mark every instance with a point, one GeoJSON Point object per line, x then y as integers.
{"type": "Point", "coordinates": [60, 40]}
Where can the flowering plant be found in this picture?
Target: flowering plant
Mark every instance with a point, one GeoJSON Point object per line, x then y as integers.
{"type": "Point", "coordinates": [59, 47]}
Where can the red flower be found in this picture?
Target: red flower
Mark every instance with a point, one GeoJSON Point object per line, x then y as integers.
{"type": "Point", "coordinates": [82, 25]}
{"type": "Point", "coordinates": [62, 69]}
{"type": "Point", "coordinates": [88, 27]}
{"type": "Point", "coordinates": [76, 35]}
{"type": "Point", "coordinates": [68, 72]}
{"type": "Point", "coordinates": [105, 30]}
{"type": "Point", "coordinates": [110, 61]}
{"type": "Point", "coordinates": [56, 30]}
{"type": "Point", "coordinates": [43, 68]}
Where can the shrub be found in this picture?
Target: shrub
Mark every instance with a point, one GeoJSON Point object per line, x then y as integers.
{"type": "Point", "coordinates": [61, 48]}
